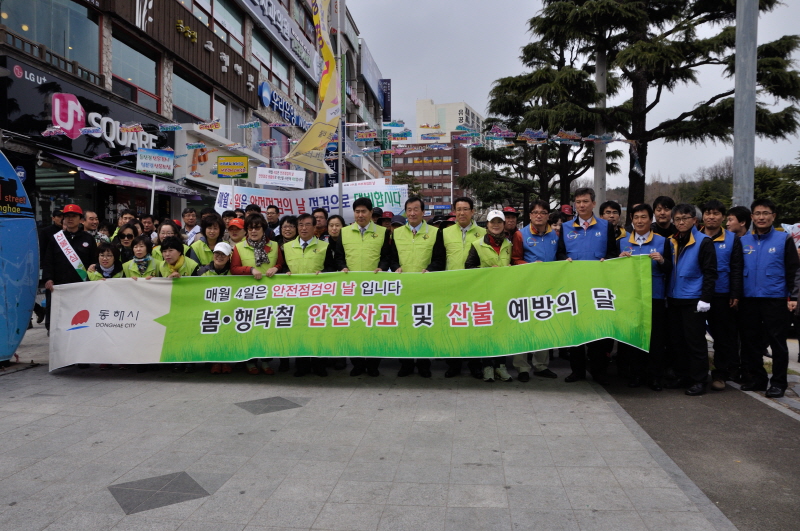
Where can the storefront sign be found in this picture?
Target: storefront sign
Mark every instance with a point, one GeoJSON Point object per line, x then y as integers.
{"type": "Point", "coordinates": [271, 99]}
{"type": "Point", "coordinates": [386, 87]}
{"type": "Point", "coordinates": [279, 177]}
{"type": "Point", "coordinates": [155, 161]}
{"type": "Point", "coordinates": [232, 167]}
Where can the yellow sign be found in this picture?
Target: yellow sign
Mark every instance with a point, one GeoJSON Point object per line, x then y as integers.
{"type": "Point", "coordinates": [232, 167]}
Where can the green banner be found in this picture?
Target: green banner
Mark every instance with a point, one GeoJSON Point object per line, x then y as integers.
{"type": "Point", "coordinates": [469, 313]}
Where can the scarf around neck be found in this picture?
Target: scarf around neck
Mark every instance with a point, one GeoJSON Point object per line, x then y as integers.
{"type": "Point", "coordinates": [260, 250]}
{"type": "Point", "coordinates": [142, 263]}
{"type": "Point", "coordinates": [178, 264]}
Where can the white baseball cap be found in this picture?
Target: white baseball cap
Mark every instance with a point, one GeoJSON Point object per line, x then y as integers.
{"type": "Point", "coordinates": [495, 214]}
{"type": "Point", "coordinates": [223, 248]}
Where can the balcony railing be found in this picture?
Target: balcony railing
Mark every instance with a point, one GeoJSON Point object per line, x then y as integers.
{"type": "Point", "coordinates": [41, 53]}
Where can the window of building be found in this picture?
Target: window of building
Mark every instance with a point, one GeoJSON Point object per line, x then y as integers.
{"type": "Point", "coordinates": [304, 19]}
{"type": "Point", "coordinates": [64, 27]}
{"type": "Point", "coordinates": [427, 173]}
{"type": "Point", "coordinates": [445, 172]}
{"type": "Point", "coordinates": [417, 160]}
{"type": "Point", "coordinates": [304, 93]}
{"type": "Point", "coordinates": [280, 69]}
{"type": "Point", "coordinates": [222, 17]}
{"type": "Point", "coordinates": [135, 71]}
{"type": "Point", "coordinates": [447, 159]}
{"type": "Point", "coordinates": [191, 103]}
{"type": "Point", "coordinates": [230, 116]}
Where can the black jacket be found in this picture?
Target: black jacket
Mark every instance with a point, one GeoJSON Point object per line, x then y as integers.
{"type": "Point", "coordinates": [45, 235]}
{"type": "Point", "coordinates": [56, 265]}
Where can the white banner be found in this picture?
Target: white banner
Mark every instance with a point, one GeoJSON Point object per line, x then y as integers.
{"type": "Point", "coordinates": [279, 177]}
{"type": "Point", "coordinates": [386, 197]}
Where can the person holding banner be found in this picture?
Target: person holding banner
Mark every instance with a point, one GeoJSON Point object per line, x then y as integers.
{"type": "Point", "coordinates": [649, 366]}
{"type": "Point", "coordinates": [211, 229]}
{"type": "Point", "coordinates": [258, 256]}
{"type": "Point", "coordinates": [175, 264]}
{"type": "Point", "coordinates": [587, 237]}
{"type": "Point", "coordinates": [107, 264]}
{"type": "Point", "coordinates": [220, 265]}
{"type": "Point", "coordinates": [142, 265]}
{"type": "Point", "coordinates": [66, 253]}
{"type": "Point", "coordinates": [536, 242]}
{"type": "Point", "coordinates": [308, 255]}
{"type": "Point", "coordinates": [417, 253]}
{"type": "Point", "coordinates": [494, 250]}
{"type": "Point", "coordinates": [365, 246]}
{"type": "Point", "coordinates": [457, 241]}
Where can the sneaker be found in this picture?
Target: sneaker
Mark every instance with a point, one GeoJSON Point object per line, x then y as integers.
{"type": "Point", "coordinates": [216, 368]}
{"type": "Point", "coordinates": [488, 374]}
{"type": "Point", "coordinates": [718, 384]}
{"type": "Point", "coordinates": [502, 374]}
{"type": "Point", "coordinates": [226, 368]}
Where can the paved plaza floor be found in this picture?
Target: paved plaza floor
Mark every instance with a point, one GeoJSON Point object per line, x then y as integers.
{"type": "Point", "coordinates": [86, 449]}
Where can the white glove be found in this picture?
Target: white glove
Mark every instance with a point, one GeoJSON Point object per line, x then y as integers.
{"type": "Point", "coordinates": [703, 307]}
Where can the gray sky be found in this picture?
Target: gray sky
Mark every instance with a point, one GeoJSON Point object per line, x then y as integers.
{"type": "Point", "coordinates": [453, 50]}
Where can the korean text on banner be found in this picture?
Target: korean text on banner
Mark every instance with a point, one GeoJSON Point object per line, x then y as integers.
{"type": "Point", "coordinates": [280, 177]}
{"type": "Point", "coordinates": [155, 161]}
{"type": "Point", "coordinates": [309, 152]}
{"type": "Point", "coordinates": [506, 310]}
{"type": "Point", "coordinates": [232, 167]}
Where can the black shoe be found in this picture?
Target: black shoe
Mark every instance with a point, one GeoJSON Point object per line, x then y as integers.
{"type": "Point", "coordinates": [678, 383]}
{"type": "Point", "coordinates": [476, 373]}
{"type": "Point", "coordinates": [40, 313]}
{"type": "Point", "coordinates": [753, 386]}
{"type": "Point", "coordinates": [299, 373]}
{"type": "Point", "coordinates": [655, 384]}
{"type": "Point", "coordinates": [425, 373]}
{"type": "Point", "coordinates": [284, 365]}
{"type": "Point", "coordinates": [450, 373]}
{"type": "Point", "coordinates": [339, 365]}
{"type": "Point", "coordinates": [696, 389]}
{"type": "Point", "coordinates": [547, 373]}
{"type": "Point", "coordinates": [321, 372]}
{"type": "Point", "coordinates": [635, 382]}
{"type": "Point", "coordinates": [373, 372]}
{"type": "Point", "coordinates": [357, 371]}
{"type": "Point", "coordinates": [574, 377]}
{"type": "Point", "coordinates": [775, 392]}
{"type": "Point", "coordinates": [523, 377]}
{"type": "Point", "coordinates": [405, 371]}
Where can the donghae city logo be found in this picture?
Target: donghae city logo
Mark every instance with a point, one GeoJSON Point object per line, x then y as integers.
{"type": "Point", "coordinates": [79, 320]}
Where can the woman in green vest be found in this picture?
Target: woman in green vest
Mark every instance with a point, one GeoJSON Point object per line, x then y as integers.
{"type": "Point", "coordinates": [143, 265]}
{"type": "Point", "coordinates": [107, 265]}
{"type": "Point", "coordinates": [167, 229]}
{"type": "Point", "coordinates": [175, 264]}
{"type": "Point", "coordinates": [211, 230]}
{"type": "Point", "coordinates": [493, 250]}
{"type": "Point", "coordinates": [220, 266]}
{"type": "Point", "coordinates": [258, 256]}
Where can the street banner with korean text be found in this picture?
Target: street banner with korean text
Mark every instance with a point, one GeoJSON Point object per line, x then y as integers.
{"type": "Point", "coordinates": [296, 202]}
{"type": "Point", "coordinates": [281, 177]}
{"type": "Point", "coordinates": [465, 313]}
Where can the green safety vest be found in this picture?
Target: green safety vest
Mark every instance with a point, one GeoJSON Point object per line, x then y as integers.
{"type": "Point", "coordinates": [204, 253]}
{"type": "Point", "coordinates": [415, 250]}
{"type": "Point", "coordinates": [458, 250]}
{"type": "Point", "coordinates": [363, 254]}
{"type": "Point", "coordinates": [213, 273]}
{"type": "Point", "coordinates": [98, 275]}
{"type": "Point", "coordinates": [248, 255]}
{"type": "Point", "coordinates": [130, 270]}
{"type": "Point", "coordinates": [488, 255]}
{"type": "Point", "coordinates": [189, 266]}
{"type": "Point", "coordinates": [310, 260]}
{"type": "Point", "coordinates": [156, 253]}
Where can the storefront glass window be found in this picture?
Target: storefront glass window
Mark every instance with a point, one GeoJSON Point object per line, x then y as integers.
{"type": "Point", "coordinates": [190, 98]}
{"type": "Point", "coordinates": [132, 65]}
{"type": "Point", "coordinates": [63, 26]}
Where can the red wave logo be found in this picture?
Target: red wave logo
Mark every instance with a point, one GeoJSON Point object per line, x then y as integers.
{"type": "Point", "coordinates": [80, 318]}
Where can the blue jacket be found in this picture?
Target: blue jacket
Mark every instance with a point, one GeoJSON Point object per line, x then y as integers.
{"type": "Point", "coordinates": [728, 247]}
{"type": "Point", "coordinates": [694, 273]}
{"type": "Point", "coordinates": [653, 244]}
{"type": "Point", "coordinates": [593, 243]}
{"type": "Point", "coordinates": [539, 247]}
{"type": "Point", "coordinates": [765, 265]}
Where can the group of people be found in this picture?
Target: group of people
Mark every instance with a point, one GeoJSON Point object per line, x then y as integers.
{"type": "Point", "coordinates": [710, 271]}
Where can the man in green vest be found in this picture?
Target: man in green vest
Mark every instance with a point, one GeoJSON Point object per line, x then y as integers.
{"type": "Point", "coordinates": [456, 241]}
{"type": "Point", "coordinates": [365, 246]}
{"type": "Point", "coordinates": [308, 255]}
{"type": "Point", "coordinates": [417, 253]}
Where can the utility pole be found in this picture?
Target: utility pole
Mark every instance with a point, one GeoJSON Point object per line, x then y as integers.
{"type": "Point", "coordinates": [744, 106]}
{"type": "Point", "coordinates": [343, 118]}
{"type": "Point", "coordinates": [600, 74]}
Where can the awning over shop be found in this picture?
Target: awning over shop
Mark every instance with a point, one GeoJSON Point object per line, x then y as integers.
{"type": "Point", "coordinates": [119, 177]}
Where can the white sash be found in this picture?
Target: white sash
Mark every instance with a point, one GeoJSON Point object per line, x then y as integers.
{"type": "Point", "coordinates": [72, 256]}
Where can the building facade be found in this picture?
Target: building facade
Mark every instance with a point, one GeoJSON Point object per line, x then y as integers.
{"type": "Point", "coordinates": [88, 82]}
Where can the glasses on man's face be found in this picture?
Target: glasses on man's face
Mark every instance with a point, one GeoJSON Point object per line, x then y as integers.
{"type": "Point", "coordinates": [762, 214]}
{"type": "Point", "coordinates": [687, 219]}
{"type": "Point", "coordinates": [126, 237]}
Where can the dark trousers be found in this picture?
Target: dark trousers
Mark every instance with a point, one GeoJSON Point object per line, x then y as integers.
{"type": "Point", "coordinates": [722, 327]}
{"type": "Point", "coordinates": [423, 364]}
{"type": "Point", "coordinates": [48, 296]}
{"type": "Point", "coordinates": [649, 364]}
{"type": "Point", "coordinates": [365, 363]}
{"type": "Point", "coordinates": [687, 327]}
{"type": "Point", "coordinates": [598, 358]}
{"type": "Point", "coordinates": [456, 364]}
{"type": "Point", "coordinates": [762, 319]}
{"type": "Point", "coordinates": [310, 364]}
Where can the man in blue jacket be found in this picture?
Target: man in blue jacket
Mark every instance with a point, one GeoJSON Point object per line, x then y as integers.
{"type": "Point", "coordinates": [690, 292]}
{"type": "Point", "coordinates": [587, 238]}
{"type": "Point", "coordinates": [770, 266]}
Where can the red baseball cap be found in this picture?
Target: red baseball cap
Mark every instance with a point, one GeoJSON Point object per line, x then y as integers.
{"type": "Point", "coordinates": [236, 222]}
{"type": "Point", "coordinates": [510, 210]}
{"type": "Point", "coordinates": [387, 214]}
{"type": "Point", "coordinates": [72, 209]}
{"type": "Point", "coordinates": [566, 209]}
{"type": "Point", "coordinates": [178, 223]}
{"type": "Point", "coordinates": [451, 218]}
